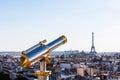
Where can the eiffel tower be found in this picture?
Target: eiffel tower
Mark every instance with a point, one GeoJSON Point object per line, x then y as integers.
{"type": "Point", "coordinates": [93, 47]}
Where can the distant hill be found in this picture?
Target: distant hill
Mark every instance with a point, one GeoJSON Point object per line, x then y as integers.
{"type": "Point", "coordinates": [19, 53]}
{"type": "Point", "coordinates": [10, 52]}
{"type": "Point", "coordinates": [56, 52]}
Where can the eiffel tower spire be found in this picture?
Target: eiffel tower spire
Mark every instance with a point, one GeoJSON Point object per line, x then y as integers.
{"type": "Point", "coordinates": [93, 47]}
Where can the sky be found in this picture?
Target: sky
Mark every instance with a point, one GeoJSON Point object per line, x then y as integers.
{"type": "Point", "coordinates": [24, 23]}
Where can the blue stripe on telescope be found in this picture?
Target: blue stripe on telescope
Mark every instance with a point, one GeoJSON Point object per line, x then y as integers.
{"type": "Point", "coordinates": [37, 52]}
{"type": "Point", "coordinates": [54, 43]}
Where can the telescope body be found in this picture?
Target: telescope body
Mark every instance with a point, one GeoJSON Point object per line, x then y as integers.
{"type": "Point", "coordinates": [39, 51]}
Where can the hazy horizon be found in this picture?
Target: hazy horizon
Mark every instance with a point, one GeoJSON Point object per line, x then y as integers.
{"type": "Point", "coordinates": [24, 23]}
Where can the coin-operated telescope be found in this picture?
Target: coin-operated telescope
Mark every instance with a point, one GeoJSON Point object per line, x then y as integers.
{"type": "Point", "coordinates": [41, 53]}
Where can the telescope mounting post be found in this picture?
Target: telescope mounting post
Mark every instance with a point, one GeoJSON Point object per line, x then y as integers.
{"type": "Point", "coordinates": [43, 74]}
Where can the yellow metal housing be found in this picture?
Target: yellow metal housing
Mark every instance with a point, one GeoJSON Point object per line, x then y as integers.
{"type": "Point", "coordinates": [47, 73]}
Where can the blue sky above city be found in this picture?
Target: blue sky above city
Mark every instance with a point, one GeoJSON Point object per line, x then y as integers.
{"type": "Point", "coordinates": [23, 23]}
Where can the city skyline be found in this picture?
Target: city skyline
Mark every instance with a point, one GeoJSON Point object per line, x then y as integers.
{"type": "Point", "coordinates": [25, 23]}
